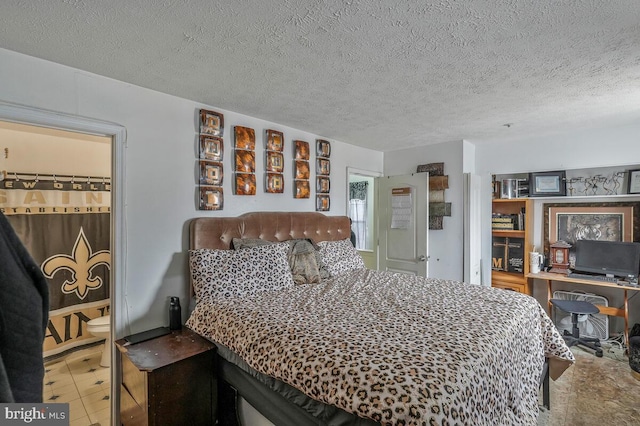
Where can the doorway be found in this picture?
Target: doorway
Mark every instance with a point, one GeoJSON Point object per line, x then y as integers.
{"type": "Point", "coordinates": [46, 121]}
{"type": "Point", "coordinates": [361, 205]}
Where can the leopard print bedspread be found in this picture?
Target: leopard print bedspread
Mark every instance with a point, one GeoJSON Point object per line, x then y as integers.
{"type": "Point", "coordinates": [398, 349]}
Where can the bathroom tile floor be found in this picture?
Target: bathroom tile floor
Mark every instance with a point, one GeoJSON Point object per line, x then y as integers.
{"type": "Point", "coordinates": [80, 380]}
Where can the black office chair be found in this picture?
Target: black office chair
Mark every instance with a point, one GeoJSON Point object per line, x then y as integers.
{"type": "Point", "coordinates": [575, 308]}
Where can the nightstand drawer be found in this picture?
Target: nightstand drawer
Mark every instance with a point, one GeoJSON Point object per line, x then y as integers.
{"type": "Point", "coordinates": [135, 381]}
{"type": "Point", "coordinates": [131, 414]}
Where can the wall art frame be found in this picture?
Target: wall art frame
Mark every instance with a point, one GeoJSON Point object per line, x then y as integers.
{"type": "Point", "coordinates": [211, 122]}
{"type": "Point", "coordinates": [244, 138]}
{"type": "Point", "coordinates": [210, 197]}
{"type": "Point", "coordinates": [301, 189]}
{"type": "Point", "coordinates": [323, 203]}
{"type": "Point", "coordinates": [610, 221]}
{"type": "Point", "coordinates": [274, 140]}
{"type": "Point", "coordinates": [274, 183]}
{"type": "Point", "coordinates": [211, 173]}
{"type": "Point", "coordinates": [323, 184]}
{"type": "Point", "coordinates": [301, 150]}
{"type": "Point", "coordinates": [323, 167]}
{"type": "Point", "coordinates": [211, 148]}
{"type": "Point", "coordinates": [323, 148]}
{"type": "Point", "coordinates": [245, 184]}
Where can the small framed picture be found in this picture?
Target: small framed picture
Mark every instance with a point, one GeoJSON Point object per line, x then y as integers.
{"type": "Point", "coordinates": [211, 173]}
{"type": "Point", "coordinates": [275, 140]}
{"type": "Point", "coordinates": [323, 148]}
{"type": "Point", "coordinates": [323, 184]}
{"type": "Point", "coordinates": [302, 169]}
{"type": "Point", "coordinates": [245, 161]}
{"type": "Point", "coordinates": [211, 122]}
{"type": "Point", "coordinates": [545, 184]}
{"type": "Point", "coordinates": [275, 162]}
{"type": "Point", "coordinates": [245, 184]}
{"type": "Point", "coordinates": [301, 189]}
{"type": "Point", "coordinates": [245, 138]}
{"type": "Point", "coordinates": [323, 203]}
{"type": "Point", "coordinates": [274, 183]}
{"type": "Point", "coordinates": [634, 182]}
{"type": "Point", "coordinates": [211, 148]}
{"type": "Point", "coordinates": [301, 150]}
{"type": "Point", "coordinates": [323, 167]}
{"type": "Point", "coordinates": [210, 198]}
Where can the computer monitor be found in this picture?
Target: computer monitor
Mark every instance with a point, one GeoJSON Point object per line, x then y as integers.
{"type": "Point", "coordinates": [612, 258]}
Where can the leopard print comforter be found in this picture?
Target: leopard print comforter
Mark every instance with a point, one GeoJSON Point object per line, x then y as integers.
{"type": "Point", "coordinates": [398, 349]}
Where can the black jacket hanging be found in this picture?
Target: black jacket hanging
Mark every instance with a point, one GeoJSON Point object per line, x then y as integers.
{"type": "Point", "coordinates": [24, 313]}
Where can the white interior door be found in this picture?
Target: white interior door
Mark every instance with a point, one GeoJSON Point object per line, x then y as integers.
{"type": "Point", "coordinates": [403, 207]}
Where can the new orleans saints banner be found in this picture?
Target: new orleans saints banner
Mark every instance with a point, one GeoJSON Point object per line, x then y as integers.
{"type": "Point", "coordinates": [66, 228]}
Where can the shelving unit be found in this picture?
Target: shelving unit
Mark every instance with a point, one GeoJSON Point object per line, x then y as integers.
{"type": "Point", "coordinates": [506, 279]}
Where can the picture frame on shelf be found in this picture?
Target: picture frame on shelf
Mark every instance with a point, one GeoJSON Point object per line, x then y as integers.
{"type": "Point", "coordinates": [211, 173]}
{"type": "Point", "coordinates": [548, 184]}
{"type": "Point", "coordinates": [633, 182]}
{"type": "Point", "coordinates": [211, 148]}
{"type": "Point", "coordinates": [211, 122]}
{"type": "Point", "coordinates": [210, 197]}
{"type": "Point", "coordinates": [275, 140]}
{"type": "Point", "coordinates": [274, 183]}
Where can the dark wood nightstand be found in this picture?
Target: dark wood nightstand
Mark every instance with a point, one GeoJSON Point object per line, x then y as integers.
{"type": "Point", "coordinates": [168, 380]}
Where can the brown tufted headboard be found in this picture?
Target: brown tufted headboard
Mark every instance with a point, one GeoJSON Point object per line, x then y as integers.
{"type": "Point", "coordinates": [218, 232]}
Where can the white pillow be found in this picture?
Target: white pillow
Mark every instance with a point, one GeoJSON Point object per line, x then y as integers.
{"type": "Point", "coordinates": [228, 273]}
{"type": "Point", "coordinates": [340, 256]}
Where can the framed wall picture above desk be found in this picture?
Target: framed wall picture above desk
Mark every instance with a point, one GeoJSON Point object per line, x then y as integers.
{"type": "Point", "coordinates": [606, 310]}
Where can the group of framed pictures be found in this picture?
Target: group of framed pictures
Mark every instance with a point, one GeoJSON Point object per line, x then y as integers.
{"type": "Point", "coordinates": [323, 170]}
{"type": "Point", "coordinates": [274, 162]}
{"type": "Point", "coordinates": [244, 161]}
{"type": "Point", "coordinates": [301, 171]}
{"type": "Point", "coordinates": [211, 169]}
{"type": "Point", "coordinates": [211, 153]}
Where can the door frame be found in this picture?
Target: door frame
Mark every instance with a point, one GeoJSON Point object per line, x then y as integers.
{"type": "Point", "coordinates": [45, 118]}
{"type": "Point", "coordinates": [373, 254]}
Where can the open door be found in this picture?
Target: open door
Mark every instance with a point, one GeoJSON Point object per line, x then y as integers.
{"type": "Point", "coordinates": [361, 203]}
{"type": "Point", "coordinates": [403, 207]}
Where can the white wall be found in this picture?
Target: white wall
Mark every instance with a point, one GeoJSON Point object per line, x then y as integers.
{"type": "Point", "coordinates": [588, 148]}
{"type": "Point", "coordinates": [161, 170]}
{"type": "Point", "coordinates": [446, 245]}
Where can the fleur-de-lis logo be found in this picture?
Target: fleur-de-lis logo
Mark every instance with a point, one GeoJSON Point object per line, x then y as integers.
{"type": "Point", "coordinates": [80, 264]}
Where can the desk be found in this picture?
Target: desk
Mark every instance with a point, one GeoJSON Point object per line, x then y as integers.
{"type": "Point", "coordinates": [606, 310]}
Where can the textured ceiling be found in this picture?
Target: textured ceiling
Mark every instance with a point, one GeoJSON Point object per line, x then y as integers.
{"type": "Point", "coordinates": [382, 74]}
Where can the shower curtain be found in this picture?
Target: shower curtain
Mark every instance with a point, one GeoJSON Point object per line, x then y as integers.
{"type": "Point", "coordinates": [65, 225]}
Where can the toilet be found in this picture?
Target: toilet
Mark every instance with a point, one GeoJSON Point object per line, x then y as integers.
{"type": "Point", "coordinates": [101, 327]}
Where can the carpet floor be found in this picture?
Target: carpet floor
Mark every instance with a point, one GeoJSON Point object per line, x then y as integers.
{"type": "Point", "coordinates": [594, 391]}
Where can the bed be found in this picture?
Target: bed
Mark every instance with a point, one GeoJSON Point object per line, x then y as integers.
{"type": "Point", "coordinates": [308, 336]}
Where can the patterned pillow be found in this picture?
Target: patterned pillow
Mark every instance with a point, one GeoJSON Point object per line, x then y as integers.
{"type": "Point", "coordinates": [340, 256]}
{"type": "Point", "coordinates": [228, 273]}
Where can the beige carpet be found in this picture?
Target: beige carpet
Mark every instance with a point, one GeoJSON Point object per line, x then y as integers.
{"type": "Point", "coordinates": [594, 391]}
